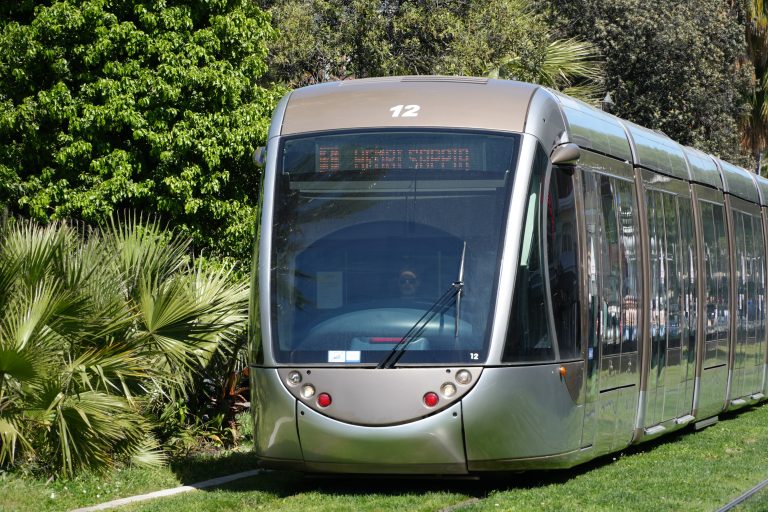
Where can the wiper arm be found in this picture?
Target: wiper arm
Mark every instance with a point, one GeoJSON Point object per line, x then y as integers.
{"type": "Point", "coordinates": [439, 306]}
{"type": "Point", "coordinates": [458, 295]}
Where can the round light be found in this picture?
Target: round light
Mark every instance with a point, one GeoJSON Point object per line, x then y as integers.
{"type": "Point", "coordinates": [294, 378]}
{"type": "Point", "coordinates": [463, 377]}
{"type": "Point", "coordinates": [431, 399]}
{"type": "Point", "coordinates": [324, 400]}
{"type": "Point", "coordinates": [307, 391]}
{"type": "Point", "coordinates": [448, 390]}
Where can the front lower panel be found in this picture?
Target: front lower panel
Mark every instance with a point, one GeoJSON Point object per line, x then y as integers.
{"type": "Point", "coordinates": [430, 445]}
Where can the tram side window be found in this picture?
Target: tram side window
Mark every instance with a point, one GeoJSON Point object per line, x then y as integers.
{"type": "Point", "coordinates": [717, 278]}
{"type": "Point", "coordinates": [741, 223]}
{"type": "Point", "coordinates": [749, 248]}
{"type": "Point", "coordinates": [759, 279]}
{"type": "Point", "coordinates": [613, 271]}
{"type": "Point", "coordinates": [689, 277]}
{"type": "Point", "coordinates": [630, 267]}
{"type": "Point", "coordinates": [563, 263]}
{"type": "Point", "coordinates": [528, 338]}
{"type": "Point", "coordinates": [610, 268]}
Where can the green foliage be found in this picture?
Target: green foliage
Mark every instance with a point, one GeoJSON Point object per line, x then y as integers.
{"type": "Point", "coordinates": [93, 326]}
{"type": "Point", "coordinates": [334, 39]}
{"type": "Point", "coordinates": [755, 125]}
{"type": "Point", "coordinates": [145, 104]}
{"type": "Point", "coordinates": [673, 67]}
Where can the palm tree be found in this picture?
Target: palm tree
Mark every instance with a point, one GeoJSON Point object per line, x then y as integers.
{"type": "Point", "coordinates": [91, 323]}
{"type": "Point", "coordinates": [755, 124]}
{"type": "Point", "coordinates": [568, 65]}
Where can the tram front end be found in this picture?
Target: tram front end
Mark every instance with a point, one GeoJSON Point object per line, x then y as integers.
{"type": "Point", "coordinates": [397, 216]}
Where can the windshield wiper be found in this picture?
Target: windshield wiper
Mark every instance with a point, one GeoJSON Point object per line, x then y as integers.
{"type": "Point", "coordinates": [440, 306]}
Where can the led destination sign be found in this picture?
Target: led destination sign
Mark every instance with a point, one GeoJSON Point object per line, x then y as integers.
{"type": "Point", "coordinates": [398, 151]}
{"type": "Point", "coordinates": [331, 158]}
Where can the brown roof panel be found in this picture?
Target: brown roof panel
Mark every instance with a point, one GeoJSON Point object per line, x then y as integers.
{"type": "Point", "coordinates": [445, 102]}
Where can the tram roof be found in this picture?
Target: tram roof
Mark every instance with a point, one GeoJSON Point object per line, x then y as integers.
{"type": "Point", "coordinates": [503, 105]}
{"type": "Point", "coordinates": [654, 150]}
{"type": "Point", "coordinates": [738, 181]}
{"type": "Point", "coordinates": [445, 102]}
{"type": "Point", "coordinates": [762, 187]}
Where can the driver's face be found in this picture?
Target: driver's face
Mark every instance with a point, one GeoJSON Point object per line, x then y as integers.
{"type": "Point", "coordinates": [408, 283]}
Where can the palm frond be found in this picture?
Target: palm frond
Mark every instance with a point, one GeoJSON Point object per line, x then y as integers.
{"type": "Point", "coordinates": [11, 439]}
{"type": "Point", "coordinates": [29, 318]}
{"type": "Point", "coordinates": [9, 271]}
{"type": "Point", "coordinates": [569, 59]}
{"type": "Point", "coordinates": [588, 93]}
{"type": "Point", "coordinates": [111, 369]}
{"type": "Point", "coordinates": [90, 426]}
{"type": "Point", "coordinates": [187, 317]}
{"type": "Point", "coordinates": [149, 454]}
{"type": "Point", "coordinates": [566, 63]}
{"type": "Point", "coordinates": [143, 248]}
{"type": "Point", "coordinates": [20, 365]}
{"type": "Point", "coordinates": [37, 248]}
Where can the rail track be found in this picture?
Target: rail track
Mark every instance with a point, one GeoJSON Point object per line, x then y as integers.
{"type": "Point", "coordinates": [744, 497]}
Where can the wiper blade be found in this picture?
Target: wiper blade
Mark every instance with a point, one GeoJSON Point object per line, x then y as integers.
{"type": "Point", "coordinates": [441, 305]}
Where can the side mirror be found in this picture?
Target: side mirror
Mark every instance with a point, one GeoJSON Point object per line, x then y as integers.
{"type": "Point", "coordinates": [565, 154]}
{"type": "Point", "coordinates": [260, 156]}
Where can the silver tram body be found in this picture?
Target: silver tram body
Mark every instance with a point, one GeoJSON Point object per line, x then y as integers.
{"type": "Point", "coordinates": [608, 283]}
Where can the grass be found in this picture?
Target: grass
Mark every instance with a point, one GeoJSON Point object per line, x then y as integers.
{"type": "Point", "coordinates": [26, 493]}
{"type": "Point", "coordinates": [691, 471]}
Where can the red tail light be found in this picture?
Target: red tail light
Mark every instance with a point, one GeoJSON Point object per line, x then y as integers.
{"type": "Point", "coordinates": [324, 400]}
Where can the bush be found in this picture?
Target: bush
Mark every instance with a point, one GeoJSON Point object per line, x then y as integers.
{"type": "Point", "coordinates": [152, 105]}
{"type": "Point", "coordinates": [94, 326]}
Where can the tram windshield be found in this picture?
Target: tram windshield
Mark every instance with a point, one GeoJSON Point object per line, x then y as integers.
{"type": "Point", "coordinates": [372, 228]}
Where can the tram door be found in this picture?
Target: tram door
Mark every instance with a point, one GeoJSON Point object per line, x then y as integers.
{"type": "Point", "coordinates": [672, 307]}
{"type": "Point", "coordinates": [749, 254]}
{"type": "Point", "coordinates": [716, 306]}
{"type": "Point", "coordinates": [611, 303]}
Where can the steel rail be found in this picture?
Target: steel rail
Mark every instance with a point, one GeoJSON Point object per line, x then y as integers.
{"type": "Point", "coordinates": [744, 497]}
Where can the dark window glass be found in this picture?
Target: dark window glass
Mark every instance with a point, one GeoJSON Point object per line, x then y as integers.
{"type": "Point", "coordinates": [528, 336]}
{"type": "Point", "coordinates": [371, 229]}
{"type": "Point", "coordinates": [562, 258]}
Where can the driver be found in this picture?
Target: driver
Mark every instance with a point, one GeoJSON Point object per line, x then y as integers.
{"type": "Point", "coordinates": [408, 283]}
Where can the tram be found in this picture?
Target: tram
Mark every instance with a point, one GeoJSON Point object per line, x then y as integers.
{"type": "Point", "coordinates": [458, 275]}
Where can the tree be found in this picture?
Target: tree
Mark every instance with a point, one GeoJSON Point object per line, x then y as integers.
{"type": "Point", "coordinates": [755, 125]}
{"type": "Point", "coordinates": [672, 67]}
{"type": "Point", "coordinates": [93, 324]}
{"type": "Point", "coordinates": [144, 104]}
{"type": "Point", "coordinates": [335, 39]}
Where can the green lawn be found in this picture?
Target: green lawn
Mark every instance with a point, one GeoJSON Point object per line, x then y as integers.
{"type": "Point", "coordinates": [693, 471]}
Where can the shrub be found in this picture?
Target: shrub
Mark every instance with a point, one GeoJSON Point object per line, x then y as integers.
{"type": "Point", "coordinates": [93, 323]}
